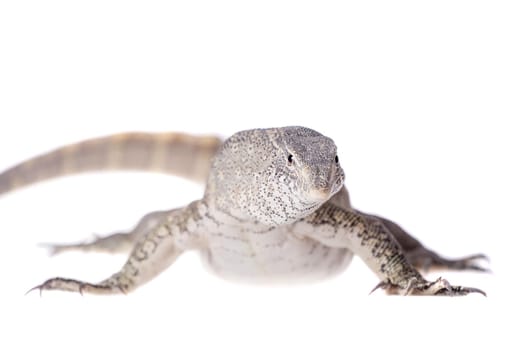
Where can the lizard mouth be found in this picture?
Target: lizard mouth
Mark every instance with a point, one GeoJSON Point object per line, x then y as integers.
{"type": "Point", "coordinates": [319, 195]}
{"type": "Point", "coordinates": [323, 193]}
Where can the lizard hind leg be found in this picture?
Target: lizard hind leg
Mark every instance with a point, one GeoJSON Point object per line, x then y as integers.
{"type": "Point", "coordinates": [113, 243]}
{"type": "Point", "coordinates": [425, 259]}
{"type": "Point", "coordinates": [119, 242]}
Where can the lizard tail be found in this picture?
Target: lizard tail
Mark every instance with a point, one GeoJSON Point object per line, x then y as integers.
{"type": "Point", "coordinates": [179, 154]}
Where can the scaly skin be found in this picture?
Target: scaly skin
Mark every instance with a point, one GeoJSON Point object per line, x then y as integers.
{"type": "Point", "coordinates": [273, 209]}
{"type": "Point", "coordinates": [173, 153]}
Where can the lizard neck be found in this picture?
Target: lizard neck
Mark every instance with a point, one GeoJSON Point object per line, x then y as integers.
{"type": "Point", "coordinates": [230, 215]}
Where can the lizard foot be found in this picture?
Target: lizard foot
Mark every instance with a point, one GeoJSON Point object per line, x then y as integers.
{"type": "Point", "coordinates": [426, 259]}
{"type": "Point", "coordinates": [71, 285]}
{"type": "Point", "coordinates": [114, 243]}
{"type": "Point", "coordinates": [439, 287]}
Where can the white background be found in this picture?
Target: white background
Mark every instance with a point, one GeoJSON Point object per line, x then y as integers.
{"type": "Point", "coordinates": [424, 99]}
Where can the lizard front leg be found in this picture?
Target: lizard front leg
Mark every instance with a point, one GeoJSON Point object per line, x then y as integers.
{"type": "Point", "coordinates": [156, 251]}
{"type": "Point", "coordinates": [118, 242]}
{"type": "Point", "coordinates": [416, 253]}
{"type": "Point", "coordinates": [372, 242]}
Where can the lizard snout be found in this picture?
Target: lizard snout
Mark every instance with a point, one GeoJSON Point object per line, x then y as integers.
{"type": "Point", "coordinates": [321, 186]}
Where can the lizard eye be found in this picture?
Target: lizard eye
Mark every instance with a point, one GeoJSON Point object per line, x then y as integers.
{"type": "Point", "coordinates": [336, 160]}
{"type": "Point", "coordinates": [290, 159]}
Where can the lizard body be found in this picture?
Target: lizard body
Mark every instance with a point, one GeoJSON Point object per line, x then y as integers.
{"type": "Point", "coordinates": [274, 208]}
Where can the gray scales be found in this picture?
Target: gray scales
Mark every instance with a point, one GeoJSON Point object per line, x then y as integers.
{"type": "Point", "coordinates": [274, 209]}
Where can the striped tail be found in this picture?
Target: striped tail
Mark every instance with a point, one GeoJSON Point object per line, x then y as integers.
{"type": "Point", "coordinates": [179, 154]}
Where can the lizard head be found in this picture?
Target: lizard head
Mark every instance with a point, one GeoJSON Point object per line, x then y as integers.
{"type": "Point", "coordinates": [274, 176]}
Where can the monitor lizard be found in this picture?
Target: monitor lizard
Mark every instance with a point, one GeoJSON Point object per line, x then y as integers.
{"type": "Point", "coordinates": [275, 208]}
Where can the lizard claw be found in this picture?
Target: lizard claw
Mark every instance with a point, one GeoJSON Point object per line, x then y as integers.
{"type": "Point", "coordinates": [442, 287]}
{"type": "Point", "coordinates": [459, 291]}
{"type": "Point", "coordinates": [71, 285]}
{"type": "Point", "coordinates": [60, 284]}
{"type": "Point", "coordinates": [39, 287]}
{"type": "Point", "coordinates": [439, 287]}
